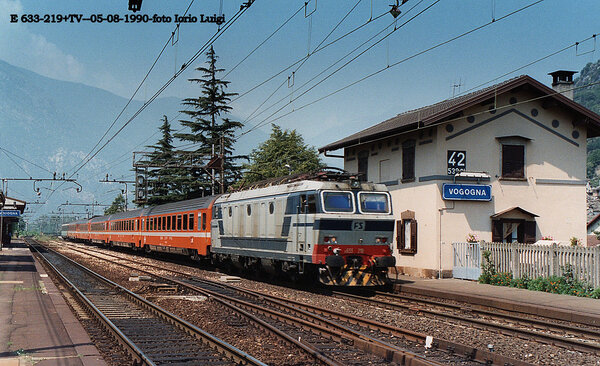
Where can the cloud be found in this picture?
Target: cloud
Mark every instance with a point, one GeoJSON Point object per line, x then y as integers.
{"type": "Point", "coordinates": [21, 47]}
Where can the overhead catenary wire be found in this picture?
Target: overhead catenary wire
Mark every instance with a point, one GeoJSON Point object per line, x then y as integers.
{"type": "Point", "coordinates": [304, 60]}
{"type": "Point", "coordinates": [335, 63]}
{"type": "Point", "coordinates": [341, 67]}
{"type": "Point", "coordinates": [268, 120]}
{"type": "Point", "coordinates": [316, 50]}
{"type": "Point", "coordinates": [264, 41]}
{"type": "Point", "coordinates": [211, 40]}
{"type": "Point", "coordinates": [27, 161]}
{"type": "Point", "coordinates": [136, 90]}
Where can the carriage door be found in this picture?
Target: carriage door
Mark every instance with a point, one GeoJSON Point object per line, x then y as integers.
{"type": "Point", "coordinates": [301, 223]}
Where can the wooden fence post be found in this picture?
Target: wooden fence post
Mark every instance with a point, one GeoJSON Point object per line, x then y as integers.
{"type": "Point", "coordinates": [552, 258]}
{"type": "Point", "coordinates": [514, 260]}
{"type": "Point", "coordinates": [596, 265]}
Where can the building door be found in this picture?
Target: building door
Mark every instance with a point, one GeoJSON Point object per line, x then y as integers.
{"type": "Point", "coordinates": [513, 230]}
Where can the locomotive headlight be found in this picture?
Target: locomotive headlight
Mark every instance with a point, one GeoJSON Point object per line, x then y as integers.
{"type": "Point", "coordinates": [337, 251]}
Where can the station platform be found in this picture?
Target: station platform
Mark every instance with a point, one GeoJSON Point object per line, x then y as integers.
{"type": "Point", "coordinates": [36, 325]}
{"type": "Point", "coordinates": [563, 307]}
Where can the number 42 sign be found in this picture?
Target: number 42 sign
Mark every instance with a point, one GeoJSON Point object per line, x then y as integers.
{"type": "Point", "coordinates": [457, 161]}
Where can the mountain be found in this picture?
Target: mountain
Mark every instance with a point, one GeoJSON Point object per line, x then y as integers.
{"type": "Point", "coordinates": [589, 97]}
{"type": "Point", "coordinates": [56, 123]}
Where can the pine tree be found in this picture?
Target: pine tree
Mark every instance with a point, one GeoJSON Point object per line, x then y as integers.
{"type": "Point", "coordinates": [164, 180]}
{"type": "Point", "coordinates": [284, 153]}
{"type": "Point", "coordinates": [214, 134]}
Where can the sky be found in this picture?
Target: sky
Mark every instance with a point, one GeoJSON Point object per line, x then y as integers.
{"type": "Point", "coordinates": [415, 60]}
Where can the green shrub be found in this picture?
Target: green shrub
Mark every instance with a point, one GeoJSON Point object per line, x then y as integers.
{"type": "Point", "coordinates": [501, 279]}
{"type": "Point", "coordinates": [595, 294]}
{"type": "Point", "coordinates": [520, 282]}
{"type": "Point", "coordinates": [538, 284]}
{"type": "Point", "coordinates": [487, 268]}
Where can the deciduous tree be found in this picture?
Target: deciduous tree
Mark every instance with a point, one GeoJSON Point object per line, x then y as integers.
{"type": "Point", "coordinates": [282, 154]}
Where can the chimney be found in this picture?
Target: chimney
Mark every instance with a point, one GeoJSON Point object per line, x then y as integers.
{"type": "Point", "coordinates": [562, 82]}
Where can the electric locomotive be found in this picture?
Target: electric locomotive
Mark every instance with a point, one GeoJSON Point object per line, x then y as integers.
{"type": "Point", "coordinates": [339, 230]}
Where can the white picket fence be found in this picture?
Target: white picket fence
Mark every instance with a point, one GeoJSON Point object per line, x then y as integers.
{"type": "Point", "coordinates": [532, 260]}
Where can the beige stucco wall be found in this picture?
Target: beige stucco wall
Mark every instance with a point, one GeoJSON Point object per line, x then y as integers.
{"type": "Point", "coordinates": [554, 187]}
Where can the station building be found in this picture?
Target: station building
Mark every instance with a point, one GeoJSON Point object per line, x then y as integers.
{"type": "Point", "coordinates": [506, 163]}
{"type": "Point", "coordinates": [10, 211]}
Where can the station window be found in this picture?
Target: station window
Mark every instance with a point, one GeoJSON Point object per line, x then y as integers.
{"type": "Point", "coordinates": [408, 161]}
{"type": "Point", "coordinates": [406, 230]}
{"type": "Point", "coordinates": [513, 161]}
{"type": "Point", "coordinates": [179, 222]}
{"type": "Point", "coordinates": [185, 222]}
{"type": "Point", "coordinates": [191, 222]}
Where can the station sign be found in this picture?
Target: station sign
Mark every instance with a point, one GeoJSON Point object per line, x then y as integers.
{"type": "Point", "coordinates": [466, 192]}
{"type": "Point", "coordinates": [457, 161]}
{"type": "Point", "coordinates": [10, 213]}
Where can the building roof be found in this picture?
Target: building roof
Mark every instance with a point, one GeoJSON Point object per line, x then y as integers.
{"type": "Point", "coordinates": [593, 220]}
{"type": "Point", "coordinates": [515, 208]}
{"type": "Point", "coordinates": [448, 109]}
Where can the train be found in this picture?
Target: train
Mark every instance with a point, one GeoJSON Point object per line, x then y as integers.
{"type": "Point", "coordinates": [340, 231]}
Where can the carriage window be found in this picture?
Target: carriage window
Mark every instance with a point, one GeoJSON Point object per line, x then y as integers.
{"type": "Point", "coordinates": [203, 221]}
{"type": "Point", "coordinates": [168, 220]}
{"type": "Point", "coordinates": [338, 202]}
{"type": "Point", "coordinates": [173, 227]}
{"type": "Point", "coordinates": [178, 222]}
{"type": "Point", "coordinates": [191, 222]}
{"type": "Point", "coordinates": [374, 202]}
{"type": "Point", "coordinates": [185, 221]}
{"type": "Point", "coordinates": [164, 223]}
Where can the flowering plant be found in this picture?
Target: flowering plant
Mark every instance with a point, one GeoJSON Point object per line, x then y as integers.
{"type": "Point", "coordinates": [472, 238]}
{"type": "Point", "coordinates": [547, 237]}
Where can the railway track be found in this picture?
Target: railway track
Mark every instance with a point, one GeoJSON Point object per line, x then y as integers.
{"type": "Point", "coordinates": [150, 335]}
{"type": "Point", "coordinates": [543, 331]}
{"type": "Point", "coordinates": [388, 342]}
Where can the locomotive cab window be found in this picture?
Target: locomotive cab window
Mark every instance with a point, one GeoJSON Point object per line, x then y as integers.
{"type": "Point", "coordinates": [335, 201]}
{"type": "Point", "coordinates": [374, 202]}
{"type": "Point", "coordinates": [308, 203]}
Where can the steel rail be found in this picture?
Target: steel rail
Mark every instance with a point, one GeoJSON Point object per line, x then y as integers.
{"type": "Point", "coordinates": [131, 349]}
{"type": "Point", "coordinates": [331, 329]}
{"type": "Point", "coordinates": [224, 348]}
{"type": "Point", "coordinates": [452, 347]}
{"type": "Point", "coordinates": [496, 314]}
{"type": "Point", "coordinates": [311, 351]}
{"type": "Point", "coordinates": [508, 330]}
